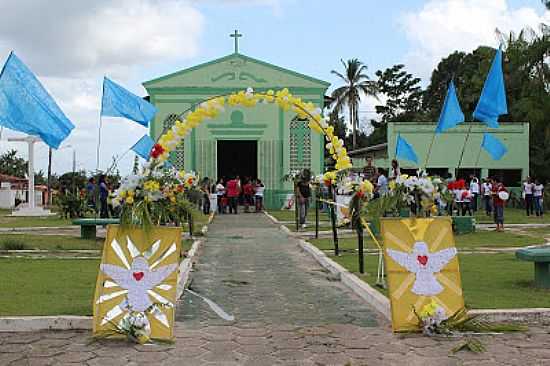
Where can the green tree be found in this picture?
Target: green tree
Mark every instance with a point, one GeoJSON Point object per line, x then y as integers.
{"type": "Point", "coordinates": [468, 71]}
{"type": "Point", "coordinates": [527, 80]}
{"type": "Point", "coordinates": [546, 3]}
{"type": "Point", "coordinates": [11, 164]}
{"type": "Point", "coordinates": [403, 93]}
{"type": "Point", "coordinates": [357, 84]}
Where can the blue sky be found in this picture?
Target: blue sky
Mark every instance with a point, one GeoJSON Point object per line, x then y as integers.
{"type": "Point", "coordinates": [71, 45]}
{"type": "Point", "coordinates": [310, 36]}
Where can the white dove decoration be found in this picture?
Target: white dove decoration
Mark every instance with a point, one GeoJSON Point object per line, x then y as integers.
{"type": "Point", "coordinates": [138, 280]}
{"type": "Point", "coordinates": [424, 265]}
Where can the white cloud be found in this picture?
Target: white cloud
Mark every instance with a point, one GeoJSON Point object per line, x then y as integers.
{"type": "Point", "coordinates": [443, 26]}
{"type": "Point", "coordinates": [71, 44]}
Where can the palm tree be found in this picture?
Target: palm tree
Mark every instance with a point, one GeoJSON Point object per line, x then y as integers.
{"type": "Point", "coordinates": [357, 84]}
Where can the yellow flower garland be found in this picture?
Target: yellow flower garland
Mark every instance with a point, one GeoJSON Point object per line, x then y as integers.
{"type": "Point", "coordinates": [283, 98]}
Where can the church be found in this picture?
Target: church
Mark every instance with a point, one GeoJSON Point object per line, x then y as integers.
{"type": "Point", "coordinates": [261, 142]}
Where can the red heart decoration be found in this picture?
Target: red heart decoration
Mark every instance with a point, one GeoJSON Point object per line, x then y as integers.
{"type": "Point", "coordinates": [138, 275]}
{"type": "Point", "coordinates": [422, 259]}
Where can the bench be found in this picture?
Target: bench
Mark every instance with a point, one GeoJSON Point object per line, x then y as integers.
{"type": "Point", "coordinates": [88, 226]}
{"type": "Point", "coordinates": [464, 224]}
{"type": "Point", "coordinates": [541, 258]}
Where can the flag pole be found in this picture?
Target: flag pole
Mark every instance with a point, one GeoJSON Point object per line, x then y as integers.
{"type": "Point", "coordinates": [429, 152]}
{"type": "Point", "coordinates": [464, 147]}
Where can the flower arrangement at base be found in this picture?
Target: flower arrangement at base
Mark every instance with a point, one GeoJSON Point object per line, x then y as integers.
{"type": "Point", "coordinates": [136, 327]}
{"type": "Point", "coordinates": [434, 322]}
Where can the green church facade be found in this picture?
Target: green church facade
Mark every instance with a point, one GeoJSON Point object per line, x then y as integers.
{"type": "Point", "coordinates": [262, 142]}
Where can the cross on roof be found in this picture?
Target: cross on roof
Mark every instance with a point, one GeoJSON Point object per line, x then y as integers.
{"type": "Point", "coordinates": [236, 35]}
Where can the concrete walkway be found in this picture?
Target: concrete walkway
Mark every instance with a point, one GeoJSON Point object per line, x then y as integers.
{"type": "Point", "coordinates": [288, 312]}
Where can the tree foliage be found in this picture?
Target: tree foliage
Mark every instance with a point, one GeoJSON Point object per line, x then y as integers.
{"type": "Point", "coordinates": [11, 164]}
{"type": "Point", "coordinates": [402, 92]}
{"type": "Point", "coordinates": [357, 84]}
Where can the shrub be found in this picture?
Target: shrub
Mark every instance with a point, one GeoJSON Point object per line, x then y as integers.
{"type": "Point", "coordinates": [13, 244]}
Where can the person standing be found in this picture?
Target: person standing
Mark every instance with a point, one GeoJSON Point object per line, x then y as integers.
{"type": "Point", "coordinates": [220, 192]}
{"type": "Point", "coordinates": [90, 193]}
{"type": "Point", "coordinates": [528, 195]}
{"type": "Point", "coordinates": [259, 189]}
{"type": "Point", "coordinates": [233, 192]}
{"type": "Point", "coordinates": [369, 171]}
{"type": "Point", "coordinates": [486, 191]}
{"type": "Point", "coordinates": [303, 193]}
{"type": "Point", "coordinates": [205, 190]}
{"type": "Point", "coordinates": [538, 194]}
{"type": "Point", "coordinates": [500, 195]}
{"type": "Point", "coordinates": [394, 171]}
{"type": "Point", "coordinates": [382, 183]}
{"type": "Point", "coordinates": [474, 190]}
{"type": "Point", "coordinates": [103, 195]}
{"type": "Point", "coordinates": [248, 190]}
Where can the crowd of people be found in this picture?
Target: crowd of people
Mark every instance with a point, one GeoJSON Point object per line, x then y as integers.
{"type": "Point", "coordinates": [103, 192]}
{"type": "Point", "coordinates": [231, 193]}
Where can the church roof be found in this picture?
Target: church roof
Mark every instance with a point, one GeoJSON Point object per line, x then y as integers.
{"type": "Point", "coordinates": [236, 70]}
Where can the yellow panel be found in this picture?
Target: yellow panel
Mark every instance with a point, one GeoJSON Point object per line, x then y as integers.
{"type": "Point", "coordinates": [139, 269]}
{"type": "Point", "coordinates": [401, 235]}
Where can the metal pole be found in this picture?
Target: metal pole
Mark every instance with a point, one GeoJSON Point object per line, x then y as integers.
{"type": "Point", "coordinates": [50, 176]}
{"type": "Point", "coordinates": [190, 222]}
{"type": "Point", "coordinates": [360, 246]}
{"type": "Point", "coordinates": [31, 173]}
{"type": "Point", "coordinates": [333, 221]}
{"type": "Point", "coordinates": [317, 213]}
{"type": "Point", "coordinates": [296, 209]}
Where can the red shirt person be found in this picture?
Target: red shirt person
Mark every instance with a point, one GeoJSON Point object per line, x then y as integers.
{"type": "Point", "coordinates": [500, 196]}
{"type": "Point", "coordinates": [233, 192]}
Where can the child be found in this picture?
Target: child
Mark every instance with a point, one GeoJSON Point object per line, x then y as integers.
{"type": "Point", "coordinates": [538, 193]}
{"type": "Point", "coordinates": [259, 195]}
{"type": "Point", "coordinates": [500, 196]}
{"type": "Point", "coordinates": [248, 191]}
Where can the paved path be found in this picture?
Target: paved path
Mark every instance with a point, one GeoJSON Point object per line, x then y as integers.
{"type": "Point", "coordinates": [288, 312]}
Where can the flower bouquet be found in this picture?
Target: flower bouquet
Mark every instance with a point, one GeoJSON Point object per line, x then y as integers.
{"type": "Point", "coordinates": [158, 195]}
{"type": "Point", "coordinates": [434, 322]}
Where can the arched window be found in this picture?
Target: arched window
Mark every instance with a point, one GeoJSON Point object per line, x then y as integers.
{"type": "Point", "coordinates": [176, 156]}
{"type": "Point", "coordinates": [300, 145]}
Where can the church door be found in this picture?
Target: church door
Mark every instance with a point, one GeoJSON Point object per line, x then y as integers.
{"type": "Point", "coordinates": [237, 157]}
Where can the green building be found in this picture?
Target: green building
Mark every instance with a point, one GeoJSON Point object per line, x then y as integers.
{"type": "Point", "coordinates": [447, 156]}
{"type": "Point", "coordinates": [262, 141]}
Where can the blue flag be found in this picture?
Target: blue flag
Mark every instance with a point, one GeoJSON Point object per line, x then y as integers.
{"type": "Point", "coordinates": [451, 114]}
{"type": "Point", "coordinates": [492, 102]}
{"type": "Point", "coordinates": [404, 150]}
{"type": "Point", "coordinates": [119, 102]}
{"type": "Point", "coordinates": [493, 146]}
{"type": "Point", "coordinates": [143, 147]}
{"type": "Point", "coordinates": [25, 105]}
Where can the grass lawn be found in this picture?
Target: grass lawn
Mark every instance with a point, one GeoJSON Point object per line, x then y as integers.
{"type": "Point", "coordinates": [47, 286]}
{"type": "Point", "coordinates": [58, 242]}
{"type": "Point", "coordinates": [486, 239]}
{"type": "Point", "coordinates": [8, 221]}
{"type": "Point", "coordinates": [493, 239]}
{"type": "Point", "coordinates": [490, 281]}
{"type": "Point", "coordinates": [47, 242]}
{"type": "Point", "coordinates": [512, 216]}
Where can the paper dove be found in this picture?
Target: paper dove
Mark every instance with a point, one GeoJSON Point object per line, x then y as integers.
{"type": "Point", "coordinates": [138, 280]}
{"type": "Point", "coordinates": [424, 265]}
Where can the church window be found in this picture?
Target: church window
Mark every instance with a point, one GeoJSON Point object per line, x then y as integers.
{"type": "Point", "coordinates": [300, 145]}
{"type": "Point", "coordinates": [177, 155]}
